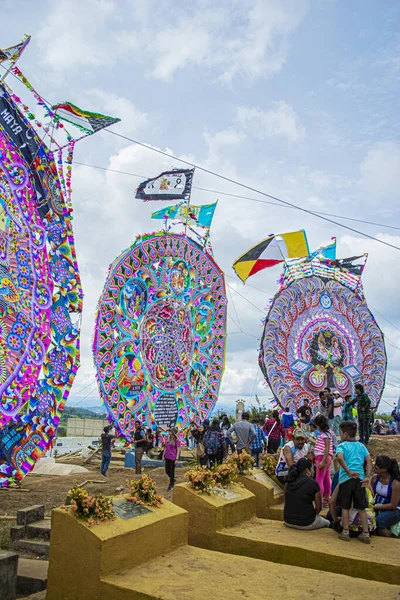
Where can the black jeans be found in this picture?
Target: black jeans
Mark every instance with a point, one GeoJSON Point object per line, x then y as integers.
{"type": "Point", "coordinates": [364, 430]}
{"type": "Point", "coordinates": [170, 470]}
{"type": "Point", "coordinates": [273, 445]}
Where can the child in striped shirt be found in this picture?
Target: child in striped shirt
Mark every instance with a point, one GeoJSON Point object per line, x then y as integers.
{"type": "Point", "coordinates": [323, 452]}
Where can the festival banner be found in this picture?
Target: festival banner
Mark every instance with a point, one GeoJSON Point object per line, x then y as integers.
{"type": "Point", "coordinates": [328, 251]}
{"type": "Point", "coordinates": [195, 215]}
{"type": "Point", "coordinates": [14, 52]}
{"type": "Point", "coordinates": [88, 122]}
{"type": "Point", "coordinates": [169, 185]}
{"type": "Point", "coordinates": [273, 250]}
{"type": "Point", "coordinates": [29, 144]}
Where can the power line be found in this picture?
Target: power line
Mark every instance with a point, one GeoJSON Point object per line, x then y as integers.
{"type": "Point", "coordinates": [248, 187]}
{"type": "Point", "coordinates": [220, 193]}
{"type": "Point", "coordinates": [228, 179]}
{"type": "Point", "coordinates": [244, 298]}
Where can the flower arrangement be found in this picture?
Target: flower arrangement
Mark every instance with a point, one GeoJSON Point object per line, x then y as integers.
{"type": "Point", "coordinates": [243, 462]}
{"type": "Point", "coordinates": [92, 509]}
{"type": "Point", "coordinates": [225, 474]}
{"type": "Point", "coordinates": [201, 479]}
{"type": "Point", "coordinates": [269, 462]}
{"type": "Point", "coordinates": [143, 491]}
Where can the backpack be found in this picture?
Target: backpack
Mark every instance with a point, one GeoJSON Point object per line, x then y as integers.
{"type": "Point", "coordinates": [287, 420]}
{"type": "Point", "coordinates": [211, 442]}
{"type": "Point", "coordinates": [200, 450]}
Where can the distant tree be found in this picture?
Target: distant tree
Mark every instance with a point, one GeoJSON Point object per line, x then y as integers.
{"type": "Point", "coordinates": [61, 432]}
{"type": "Point", "coordinates": [259, 411]}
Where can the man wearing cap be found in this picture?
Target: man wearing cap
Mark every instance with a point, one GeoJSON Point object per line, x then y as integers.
{"type": "Point", "coordinates": [291, 454]}
{"type": "Point", "coordinates": [337, 411]}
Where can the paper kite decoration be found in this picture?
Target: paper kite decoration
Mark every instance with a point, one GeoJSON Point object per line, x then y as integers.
{"type": "Point", "coordinates": [40, 295]}
{"type": "Point", "coordinates": [159, 342]}
{"type": "Point", "coordinates": [273, 250]}
{"type": "Point", "coordinates": [320, 332]}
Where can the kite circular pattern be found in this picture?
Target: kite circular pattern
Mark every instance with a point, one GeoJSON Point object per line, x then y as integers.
{"type": "Point", "coordinates": [319, 332]}
{"type": "Point", "coordinates": [39, 292]}
{"type": "Point", "coordinates": [159, 344]}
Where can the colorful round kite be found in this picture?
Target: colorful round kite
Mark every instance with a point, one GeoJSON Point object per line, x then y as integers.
{"type": "Point", "coordinates": [320, 332]}
{"type": "Point", "coordinates": [159, 343]}
{"type": "Point", "coordinates": [39, 293]}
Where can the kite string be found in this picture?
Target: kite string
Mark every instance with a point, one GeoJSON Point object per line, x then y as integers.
{"type": "Point", "coordinates": [252, 189]}
{"type": "Point", "coordinates": [218, 192]}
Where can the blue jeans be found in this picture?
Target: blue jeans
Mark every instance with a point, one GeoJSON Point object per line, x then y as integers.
{"type": "Point", "coordinates": [105, 461]}
{"type": "Point", "coordinates": [255, 452]}
{"type": "Point", "coordinates": [386, 518]}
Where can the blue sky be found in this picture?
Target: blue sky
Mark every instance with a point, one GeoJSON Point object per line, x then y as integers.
{"type": "Point", "coordinates": [296, 98]}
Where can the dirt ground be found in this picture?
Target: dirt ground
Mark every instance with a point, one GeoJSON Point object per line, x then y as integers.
{"type": "Point", "coordinates": [52, 491]}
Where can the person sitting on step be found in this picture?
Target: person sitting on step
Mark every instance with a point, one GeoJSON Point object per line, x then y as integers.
{"type": "Point", "coordinates": [303, 499]}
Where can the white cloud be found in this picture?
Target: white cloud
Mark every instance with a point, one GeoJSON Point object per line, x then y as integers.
{"type": "Point", "coordinates": [380, 173]}
{"type": "Point", "coordinates": [281, 120]}
{"type": "Point", "coordinates": [243, 39]}
{"type": "Point", "coordinates": [75, 34]}
{"type": "Point", "coordinates": [132, 119]}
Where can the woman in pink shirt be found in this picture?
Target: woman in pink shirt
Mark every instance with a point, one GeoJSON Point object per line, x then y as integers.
{"type": "Point", "coordinates": [171, 455]}
{"type": "Point", "coordinates": [323, 452]}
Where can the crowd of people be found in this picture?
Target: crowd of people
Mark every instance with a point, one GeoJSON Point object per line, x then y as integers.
{"type": "Point", "coordinates": [320, 462]}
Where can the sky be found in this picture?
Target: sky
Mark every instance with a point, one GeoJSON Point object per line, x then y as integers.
{"type": "Point", "coordinates": [296, 98]}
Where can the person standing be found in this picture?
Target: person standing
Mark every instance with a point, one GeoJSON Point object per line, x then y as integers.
{"type": "Point", "coordinates": [106, 442]}
{"type": "Point", "coordinates": [150, 439]}
{"type": "Point", "coordinates": [305, 413]}
{"type": "Point", "coordinates": [287, 422]}
{"type": "Point", "coordinates": [337, 412]}
{"type": "Point", "coordinates": [352, 456]}
{"type": "Point", "coordinates": [213, 443]}
{"type": "Point", "coordinates": [259, 442]}
{"type": "Point", "coordinates": [244, 432]}
{"type": "Point", "coordinates": [330, 406]}
{"type": "Point", "coordinates": [363, 412]}
{"type": "Point", "coordinates": [347, 408]}
{"type": "Point", "coordinates": [139, 440]}
{"type": "Point", "coordinates": [323, 451]}
{"type": "Point", "coordinates": [228, 443]}
{"type": "Point", "coordinates": [171, 455]}
{"type": "Point", "coordinates": [274, 431]}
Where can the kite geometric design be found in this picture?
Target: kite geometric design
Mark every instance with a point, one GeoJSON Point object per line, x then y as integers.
{"type": "Point", "coordinates": [319, 332]}
{"type": "Point", "coordinates": [159, 342]}
{"type": "Point", "coordinates": [39, 292]}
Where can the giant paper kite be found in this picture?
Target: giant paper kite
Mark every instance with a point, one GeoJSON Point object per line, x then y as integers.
{"type": "Point", "coordinates": [40, 288]}
{"type": "Point", "coordinates": [159, 344]}
{"type": "Point", "coordinates": [320, 332]}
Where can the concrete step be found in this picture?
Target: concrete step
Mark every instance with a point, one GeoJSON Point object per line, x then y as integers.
{"type": "Point", "coordinates": [39, 530]}
{"type": "Point", "coordinates": [37, 547]}
{"type": "Point", "coordinates": [273, 541]}
{"type": "Point", "coordinates": [32, 575]}
{"type": "Point", "coordinates": [276, 512]}
{"type": "Point", "coordinates": [242, 577]}
{"type": "Point", "coordinates": [31, 514]}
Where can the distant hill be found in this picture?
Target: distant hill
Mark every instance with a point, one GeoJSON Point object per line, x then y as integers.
{"type": "Point", "coordinates": [83, 413]}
